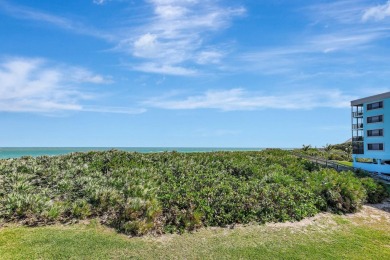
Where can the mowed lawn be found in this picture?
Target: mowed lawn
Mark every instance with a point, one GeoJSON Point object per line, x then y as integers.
{"type": "Point", "coordinates": [365, 235]}
{"type": "Point", "coordinates": [346, 163]}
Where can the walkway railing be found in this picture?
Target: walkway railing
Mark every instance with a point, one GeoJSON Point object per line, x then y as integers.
{"type": "Point", "coordinates": [340, 167]}
{"type": "Point", "coordinates": [327, 163]}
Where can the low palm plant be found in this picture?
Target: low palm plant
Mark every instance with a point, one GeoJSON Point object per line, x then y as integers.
{"type": "Point", "coordinates": [173, 192]}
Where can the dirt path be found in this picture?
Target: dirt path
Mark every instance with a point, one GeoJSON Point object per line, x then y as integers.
{"type": "Point", "coordinates": [369, 213]}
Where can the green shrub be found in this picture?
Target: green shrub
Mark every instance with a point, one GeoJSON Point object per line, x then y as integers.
{"type": "Point", "coordinates": [80, 209]}
{"type": "Point", "coordinates": [54, 211]}
{"type": "Point", "coordinates": [376, 192]}
{"type": "Point", "coordinates": [341, 192]}
{"type": "Point", "coordinates": [174, 192]}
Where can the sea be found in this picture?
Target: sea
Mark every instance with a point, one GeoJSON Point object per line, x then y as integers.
{"type": "Point", "coordinates": [17, 152]}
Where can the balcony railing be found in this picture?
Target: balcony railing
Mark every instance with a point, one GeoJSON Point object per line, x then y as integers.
{"type": "Point", "coordinates": [357, 126]}
{"type": "Point", "coordinates": [358, 150]}
{"type": "Point", "coordinates": [357, 114]}
{"type": "Point", "coordinates": [358, 139]}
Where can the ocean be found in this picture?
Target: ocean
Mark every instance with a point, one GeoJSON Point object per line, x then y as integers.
{"type": "Point", "coordinates": [16, 152]}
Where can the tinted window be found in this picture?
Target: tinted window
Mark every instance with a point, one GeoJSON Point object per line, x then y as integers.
{"type": "Point", "coordinates": [377, 146]}
{"type": "Point", "coordinates": [375, 105]}
{"type": "Point", "coordinates": [375, 132]}
{"type": "Point", "coordinates": [375, 119]}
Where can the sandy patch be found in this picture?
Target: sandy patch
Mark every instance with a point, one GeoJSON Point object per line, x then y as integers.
{"type": "Point", "coordinates": [316, 220]}
{"type": "Point", "coordinates": [371, 213]}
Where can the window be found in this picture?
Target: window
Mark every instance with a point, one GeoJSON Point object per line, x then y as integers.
{"type": "Point", "coordinates": [375, 119]}
{"type": "Point", "coordinates": [375, 147]}
{"type": "Point", "coordinates": [375, 105]}
{"type": "Point", "coordinates": [375, 132]}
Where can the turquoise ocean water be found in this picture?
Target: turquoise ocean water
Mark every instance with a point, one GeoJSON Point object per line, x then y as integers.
{"type": "Point", "coordinates": [16, 152]}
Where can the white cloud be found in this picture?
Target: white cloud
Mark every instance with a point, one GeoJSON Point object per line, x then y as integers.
{"type": "Point", "coordinates": [175, 36]}
{"type": "Point", "coordinates": [239, 99]}
{"type": "Point", "coordinates": [29, 85]}
{"type": "Point", "coordinates": [170, 12]}
{"type": "Point", "coordinates": [207, 57]}
{"type": "Point", "coordinates": [377, 13]}
{"type": "Point", "coordinates": [22, 12]}
{"type": "Point", "coordinates": [341, 11]}
{"type": "Point", "coordinates": [323, 43]}
{"type": "Point", "coordinates": [116, 110]}
{"type": "Point", "coordinates": [99, 2]}
{"type": "Point", "coordinates": [146, 46]}
{"type": "Point", "coordinates": [320, 52]}
{"type": "Point", "coordinates": [164, 69]}
{"type": "Point", "coordinates": [333, 44]}
{"type": "Point", "coordinates": [82, 75]}
{"type": "Point", "coordinates": [345, 40]}
{"type": "Point", "coordinates": [37, 85]}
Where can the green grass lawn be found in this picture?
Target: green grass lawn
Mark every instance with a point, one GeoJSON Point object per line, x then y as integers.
{"type": "Point", "coordinates": [362, 236]}
{"type": "Point", "coordinates": [346, 163]}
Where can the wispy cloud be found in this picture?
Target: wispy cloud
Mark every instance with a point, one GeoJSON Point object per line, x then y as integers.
{"type": "Point", "coordinates": [326, 50]}
{"type": "Point", "coordinates": [325, 43]}
{"type": "Point", "coordinates": [164, 69]}
{"type": "Point", "coordinates": [28, 85]}
{"type": "Point", "coordinates": [341, 11]}
{"type": "Point", "coordinates": [211, 56]}
{"type": "Point", "coordinates": [22, 12]}
{"type": "Point", "coordinates": [377, 13]}
{"type": "Point", "coordinates": [240, 99]}
{"type": "Point", "coordinates": [175, 33]}
{"type": "Point", "coordinates": [115, 110]}
{"type": "Point", "coordinates": [82, 75]}
{"type": "Point", "coordinates": [99, 2]}
{"type": "Point", "coordinates": [345, 41]}
{"type": "Point", "coordinates": [336, 38]}
{"type": "Point", "coordinates": [38, 85]}
{"type": "Point", "coordinates": [171, 39]}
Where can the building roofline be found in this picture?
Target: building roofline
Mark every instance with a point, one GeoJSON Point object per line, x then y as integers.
{"type": "Point", "coordinates": [370, 99]}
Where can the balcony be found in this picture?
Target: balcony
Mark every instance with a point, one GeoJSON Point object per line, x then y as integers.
{"type": "Point", "coordinates": [357, 114]}
{"type": "Point", "coordinates": [358, 150]}
{"type": "Point", "coordinates": [357, 126]}
{"type": "Point", "coordinates": [357, 139]}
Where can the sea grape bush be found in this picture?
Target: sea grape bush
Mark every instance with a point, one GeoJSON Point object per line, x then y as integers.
{"type": "Point", "coordinates": [173, 192]}
{"type": "Point", "coordinates": [376, 192]}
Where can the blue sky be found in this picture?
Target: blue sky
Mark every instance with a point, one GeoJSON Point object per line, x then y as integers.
{"type": "Point", "coordinates": [188, 73]}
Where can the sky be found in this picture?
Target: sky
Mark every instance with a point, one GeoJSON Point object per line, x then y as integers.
{"type": "Point", "coordinates": [188, 73]}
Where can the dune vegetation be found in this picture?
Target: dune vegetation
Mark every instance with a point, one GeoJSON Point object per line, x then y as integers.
{"type": "Point", "coordinates": [158, 193]}
{"type": "Point", "coordinates": [337, 152]}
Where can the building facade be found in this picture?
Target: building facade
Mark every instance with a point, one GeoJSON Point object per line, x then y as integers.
{"type": "Point", "coordinates": [371, 133]}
